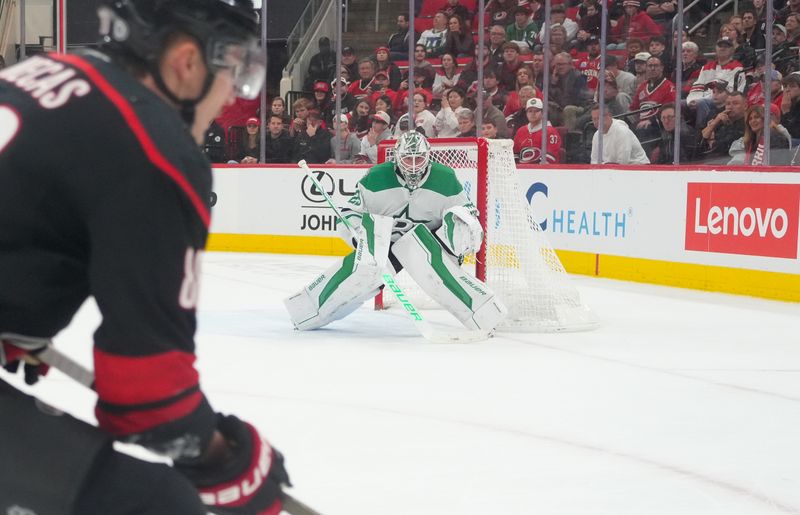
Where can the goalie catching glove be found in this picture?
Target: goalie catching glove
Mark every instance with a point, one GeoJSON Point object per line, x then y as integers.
{"type": "Point", "coordinates": [460, 232]}
{"type": "Point", "coordinates": [246, 479]}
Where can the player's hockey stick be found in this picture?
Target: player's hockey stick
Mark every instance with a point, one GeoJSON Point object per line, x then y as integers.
{"type": "Point", "coordinates": [423, 326]}
{"type": "Point", "coordinates": [74, 370]}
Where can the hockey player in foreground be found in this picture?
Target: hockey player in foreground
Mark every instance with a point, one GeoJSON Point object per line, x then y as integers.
{"type": "Point", "coordinates": [414, 214]}
{"type": "Point", "coordinates": [103, 192]}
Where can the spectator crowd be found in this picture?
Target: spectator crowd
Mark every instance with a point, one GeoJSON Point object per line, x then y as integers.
{"type": "Point", "coordinates": [717, 110]}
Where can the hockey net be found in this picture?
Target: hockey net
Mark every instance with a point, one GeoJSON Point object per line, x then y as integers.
{"type": "Point", "coordinates": [516, 260]}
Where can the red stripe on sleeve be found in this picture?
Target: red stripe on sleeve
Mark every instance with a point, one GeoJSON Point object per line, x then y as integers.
{"type": "Point", "coordinates": [131, 380]}
{"type": "Point", "coordinates": [139, 421]}
{"type": "Point", "coordinates": [141, 134]}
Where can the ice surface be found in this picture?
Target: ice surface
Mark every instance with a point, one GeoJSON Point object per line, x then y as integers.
{"type": "Point", "coordinates": [682, 402]}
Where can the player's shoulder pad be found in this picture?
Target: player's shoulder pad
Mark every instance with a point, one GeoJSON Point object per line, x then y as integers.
{"type": "Point", "coordinates": [442, 179]}
{"type": "Point", "coordinates": [380, 177]}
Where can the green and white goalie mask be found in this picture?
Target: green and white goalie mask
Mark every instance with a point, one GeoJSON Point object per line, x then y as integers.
{"type": "Point", "coordinates": [412, 157]}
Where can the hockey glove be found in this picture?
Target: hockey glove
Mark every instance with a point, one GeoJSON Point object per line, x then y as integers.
{"type": "Point", "coordinates": [460, 232]}
{"type": "Point", "coordinates": [248, 481]}
{"type": "Point", "coordinates": [16, 349]}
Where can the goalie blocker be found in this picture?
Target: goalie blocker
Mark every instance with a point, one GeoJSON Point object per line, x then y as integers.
{"type": "Point", "coordinates": [432, 261]}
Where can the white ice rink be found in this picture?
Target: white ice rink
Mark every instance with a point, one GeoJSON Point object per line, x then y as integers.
{"type": "Point", "coordinates": [683, 402]}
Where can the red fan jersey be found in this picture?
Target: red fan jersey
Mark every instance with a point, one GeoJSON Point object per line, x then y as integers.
{"type": "Point", "coordinates": [528, 144]}
{"type": "Point", "coordinates": [589, 67]}
{"type": "Point", "coordinates": [652, 95]}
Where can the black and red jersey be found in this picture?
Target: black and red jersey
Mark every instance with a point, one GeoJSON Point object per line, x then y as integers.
{"type": "Point", "coordinates": [104, 193]}
{"type": "Point", "coordinates": [652, 94]}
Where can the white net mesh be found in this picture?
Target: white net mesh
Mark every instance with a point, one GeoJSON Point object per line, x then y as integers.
{"type": "Point", "coordinates": [521, 265]}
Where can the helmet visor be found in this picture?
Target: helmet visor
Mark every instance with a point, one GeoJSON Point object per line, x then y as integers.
{"type": "Point", "coordinates": [246, 61]}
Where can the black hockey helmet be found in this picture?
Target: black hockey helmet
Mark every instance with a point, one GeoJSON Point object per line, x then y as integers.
{"type": "Point", "coordinates": [227, 30]}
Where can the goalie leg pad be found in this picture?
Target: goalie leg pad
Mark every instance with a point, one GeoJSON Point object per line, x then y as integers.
{"type": "Point", "coordinates": [438, 274]}
{"type": "Point", "coordinates": [344, 287]}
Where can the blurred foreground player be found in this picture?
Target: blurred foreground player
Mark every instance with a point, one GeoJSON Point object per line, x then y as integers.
{"type": "Point", "coordinates": [103, 192]}
{"type": "Point", "coordinates": [414, 213]}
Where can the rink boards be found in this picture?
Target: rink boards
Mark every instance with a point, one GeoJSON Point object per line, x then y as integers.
{"type": "Point", "coordinates": [726, 230]}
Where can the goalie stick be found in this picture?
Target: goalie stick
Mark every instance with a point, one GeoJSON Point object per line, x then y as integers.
{"type": "Point", "coordinates": [423, 326]}
{"type": "Point", "coordinates": [58, 360]}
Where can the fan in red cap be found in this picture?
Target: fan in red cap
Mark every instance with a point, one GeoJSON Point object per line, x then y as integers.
{"type": "Point", "coordinates": [384, 64]}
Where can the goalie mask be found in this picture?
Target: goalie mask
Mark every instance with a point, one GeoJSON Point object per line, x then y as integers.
{"type": "Point", "coordinates": [412, 157]}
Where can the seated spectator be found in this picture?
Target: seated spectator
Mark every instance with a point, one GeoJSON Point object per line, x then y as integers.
{"type": "Point", "coordinates": [497, 38]}
{"type": "Point", "coordinates": [620, 145]}
{"type": "Point", "coordinates": [214, 146]}
{"type": "Point", "coordinates": [617, 103]}
{"type": "Point", "coordinates": [434, 39]}
{"type": "Point", "coordinates": [790, 106]}
{"type": "Point", "coordinates": [466, 123]}
{"type": "Point", "coordinates": [640, 68]}
{"type": "Point", "coordinates": [725, 128]}
{"type": "Point", "coordinates": [453, 8]}
{"type": "Point", "coordinates": [633, 46]}
{"type": "Point", "coordinates": [301, 107]}
{"type": "Point", "coordinates": [742, 51]}
{"type": "Point", "coordinates": [359, 118]}
{"type": "Point", "coordinates": [662, 12]}
{"type": "Point", "coordinates": [348, 102]}
{"type": "Point", "coordinates": [507, 72]}
{"type": "Point", "coordinates": [349, 62]}
{"type": "Point", "coordinates": [754, 139]}
{"type": "Point", "coordinates": [522, 31]}
{"type": "Point", "coordinates": [378, 132]}
{"type": "Point", "coordinates": [568, 85]}
{"type": "Point", "coordinates": [488, 129]}
{"type": "Point", "coordinates": [420, 61]}
{"type": "Point", "coordinates": [634, 24]}
{"type": "Point", "coordinates": [665, 152]}
{"type": "Point", "coordinates": [491, 85]}
{"type": "Point", "coordinates": [558, 15]}
{"type": "Point", "coordinates": [755, 93]}
{"type": "Point", "coordinates": [513, 101]}
{"type": "Point", "coordinates": [653, 93]}
{"type": "Point", "coordinates": [469, 74]}
{"type": "Point", "coordinates": [322, 66]}
{"type": "Point", "coordinates": [791, 7]}
{"type": "Point", "coordinates": [722, 69]}
{"type": "Point", "coordinates": [793, 28]}
{"type": "Point", "coordinates": [380, 87]}
{"type": "Point", "coordinates": [459, 40]}
{"type": "Point", "coordinates": [362, 88]}
{"type": "Point", "coordinates": [626, 82]}
{"type": "Point", "coordinates": [348, 143]}
{"type": "Point", "coordinates": [589, 64]}
{"type": "Point", "coordinates": [751, 32]}
{"type": "Point", "coordinates": [658, 48]}
{"type": "Point", "coordinates": [446, 77]}
{"type": "Point", "coordinates": [423, 118]}
{"type": "Point", "coordinates": [278, 144]}
{"type": "Point", "coordinates": [558, 39]}
{"type": "Point", "coordinates": [691, 64]}
{"type": "Point", "coordinates": [589, 23]}
{"type": "Point", "coordinates": [537, 67]}
{"type": "Point", "coordinates": [384, 64]}
{"type": "Point", "coordinates": [423, 79]}
{"type": "Point", "coordinates": [250, 149]}
{"type": "Point", "coordinates": [314, 143]}
{"type": "Point", "coordinates": [384, 105]}
{"type": "Point", "coordinates": [501, 11]}
{"type": "Point", "coordinates": [398, 42]}
{"type": "Point", "coordinates": [322, 99]}
{"type": "Point", "coordinates": [278, 107]}
{"type": "Point", "coordinates": [528, 139]}
{"type": "Point", "coordinates": [537, 10]}
{"type": "Point", "coordinates": [519, 117]}
{"type": "Point", "coordinates": [446, 124]}
{"type": "Point", "coordinates": [784, 58]}
{"type": "Point", "coordinates": [719, 97]}
{"type": "Point", "coordinates": [491, 112]}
